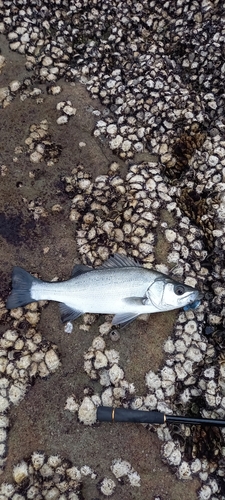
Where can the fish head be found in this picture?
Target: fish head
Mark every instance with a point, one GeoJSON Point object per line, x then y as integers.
{"type": "Point", "coordinates": [166, 294]}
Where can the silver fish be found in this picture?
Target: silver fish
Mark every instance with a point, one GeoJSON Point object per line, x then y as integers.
{"type": "Point", "coordinates": [120, 286]}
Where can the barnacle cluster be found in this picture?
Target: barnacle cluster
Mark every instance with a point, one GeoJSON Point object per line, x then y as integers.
{"type": "Point", "coordinates": [113, 214]}
{"type": "Point", "coordinates": [23, 356]}
{"type": "Point", "coordinates": [184, 385]}
{"type": "Point", "coordinates": [162, 85]}
{"type": "Point", "coordinates": [67, 110]}
{"type": "Point", "coordinates": [48, 477]}
{"type": "Point", "coordinates": [192, 379]}
{"type": "Point", "coordinates": [40, 146]}
{"type": "Point", "coordinates": [52, 477]}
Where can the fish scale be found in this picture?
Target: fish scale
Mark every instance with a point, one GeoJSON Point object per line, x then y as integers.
{"type": "Point", "coordinates": [121, 286]}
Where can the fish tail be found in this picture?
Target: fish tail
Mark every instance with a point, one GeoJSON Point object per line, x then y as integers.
{"type": "Point", "coordinates": [22, 283]}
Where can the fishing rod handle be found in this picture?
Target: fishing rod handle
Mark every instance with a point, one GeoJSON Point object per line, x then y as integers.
{"type": "Point", "coordinates": [110, 414]}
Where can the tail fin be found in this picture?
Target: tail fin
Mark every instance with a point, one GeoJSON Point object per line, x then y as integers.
{"type": "Point", "coordinates": [21, 288]}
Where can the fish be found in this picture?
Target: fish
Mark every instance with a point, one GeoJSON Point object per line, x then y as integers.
{"type": "Point", "coordinates": [120, 286]}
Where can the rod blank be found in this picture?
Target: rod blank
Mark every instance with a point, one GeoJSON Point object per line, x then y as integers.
{"type": "Point", "coordinates": [110, 414]}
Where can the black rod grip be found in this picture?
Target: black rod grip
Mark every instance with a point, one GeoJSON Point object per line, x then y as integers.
{"type": "Point", "coordinates": [110, 414]}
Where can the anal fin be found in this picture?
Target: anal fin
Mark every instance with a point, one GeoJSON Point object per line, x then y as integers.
{"type": "Point", "coordinates": [124, 318]}
{"type": "Point", "coordinates": [68, 313]}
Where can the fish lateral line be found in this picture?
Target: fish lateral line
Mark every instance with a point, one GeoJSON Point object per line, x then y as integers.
{"type": "Point", "coordinates": [121, 286]}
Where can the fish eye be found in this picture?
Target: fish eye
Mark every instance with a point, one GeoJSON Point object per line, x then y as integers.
{"type": "Point", "coordinates": [179, 289]}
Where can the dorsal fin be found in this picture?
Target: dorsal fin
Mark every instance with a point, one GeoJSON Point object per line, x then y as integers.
{"type": "Point", "coordinates": [118, 260]}
{"type": "Point", "coordinates": [80, 269]}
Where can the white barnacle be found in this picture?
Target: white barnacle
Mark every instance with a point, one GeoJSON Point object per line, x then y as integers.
{"type": "Point", "coordinates": [2, 449]}
{"type": "Point", "coordinates": [112, 129]}
{"type": "Point", "coordinates": [152, 380]}
{"type": "Point", "coordinates": [210, 399]}
{"type": "Point", "coordinates": [150, 401]}
{"type": "Point", "coordinates": [107, 397]}
{"type": "Point", "coordinates": [194, 354]}
{"type": "Point", "coordinates": [87, 411]}
{"type": "Point", "coordinates": [120, 468]}
{"type": "Point", "coordinates": [184, 471]}
{"type": "Point", "coordinates": [24, 361]}
{"type": "Point", "coordinates": [71, 404]}
{"type": "Point", "coordinates": [7, 490]}
{"type": "Point", "coordinates": [4, 404]}
{"type": "Point", "coordinates": [37, 459]}
{"type": "Point", "coordinates": [74, 474]}
{"type": "Point", "coordinates": [98, 343]}
{"type": "Point", "coordinates": [17, 392]}
{"type": "Point", "coordinates": [86, 470]}
{"type": "Point", "coordinates": [188, 366]}
{"type": "Point", "coordinates": [170, 235]}
{"type": "Point", "coordinates": [185, 396]}
{"type": "Point", "coordinates": [175, 457]}
{"type": "Point", "coordinates": [20, 472]}
{"type": "Point", "coordinates": [43, 370]}
{"type": "Point", "coordinates": [196, 465]}
{"type": "Point", "coordinates": [134, 478]}
{"type": "Point", "coordinates": [105, 328]}
{"type": "Point", "coordinates": [190, 327]}
{"type": "Point", "coordinates": [168, 376]}
{"type": "Point", "coordinates": [100, 361]}
{"type": "Point", "coordinates": [3, 363]}
{"type": "Point", "coordinates": [46, 471]}
{"type": "Point", "coordinates": [180, 371]}
{"type": "Point", "coordinates": [169, 346]}
{"type": "Point", "coordinates": [210, 372]}
{"type": "Point", "coordinates": [52, 360]}
{"type": "Point", "coordinates": [205, 492]}
{"type": "Point", "coordinates": [69, 110]}
{"type": "Point", "coordinates": [38, 356]}
{"type": "Point", "coordinates": [180, 345]}
{"type": "Point", "coordinates": [116, 374]}
{"type": "Point", "coordinates": [112, 355]}
{"type": "Point", "coordinates": [116, 142]}
{"type": "Point", "coordinates": [14, 85]}
{"type": "Point", "coordinates": [12, 335]}
{"type": "Point", "coordinates": [107, 486]}
{"type": "Point", "coordinates": [118, 392]}
{"type": "Point", "coordinates": [61, 120]}
{"type": "Point", "coordinates": [173, 257]}
{"type": "Point", "coordinates": [4, 422]}
{"type": "Point", "coordinates": [213, 485]}
{"type": "Point", "coordinates": [104, 378]}
{"type": "Point", "coordinates": [168, 448]}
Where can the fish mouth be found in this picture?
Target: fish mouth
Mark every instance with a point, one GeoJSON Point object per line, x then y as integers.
{"type": "Point", "coordinates": [196, 295]}
{"type": "Point", "coordinates": [195, 302]}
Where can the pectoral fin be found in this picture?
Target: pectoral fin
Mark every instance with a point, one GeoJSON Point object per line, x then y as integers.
{"type": "Point", "coordinates": [124, 318]}
{"type": "Point", "coordinates": [134, 301]}
{"type": "Point", "coordinates": [138, 301]}
{"type": "Point", "coordinates": [69, 314]}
